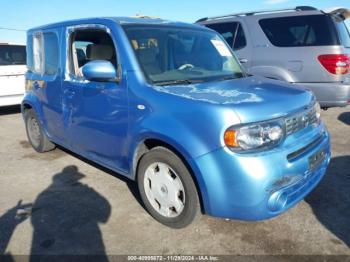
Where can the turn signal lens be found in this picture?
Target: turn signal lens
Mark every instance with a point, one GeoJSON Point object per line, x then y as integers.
{"type": "Point", "coordinates": [318, 110]}
{"type": "Point", "coordinates": [255, 136]}
{"type": "Point", "coordinates": [230, 138]}
{"type": "Point", "coordinates": [28, 85]}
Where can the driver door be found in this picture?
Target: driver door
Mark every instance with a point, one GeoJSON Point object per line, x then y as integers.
{"type": "Point", "coordinates": [96, 113]}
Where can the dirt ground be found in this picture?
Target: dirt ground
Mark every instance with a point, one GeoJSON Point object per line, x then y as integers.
{"type": "Point", "coordinates": [80, 208]}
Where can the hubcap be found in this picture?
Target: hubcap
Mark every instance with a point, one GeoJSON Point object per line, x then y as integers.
{"type": "Point", "coordinates": [164, 190]}
{"type": "Point", "coordinates": [34, 131]}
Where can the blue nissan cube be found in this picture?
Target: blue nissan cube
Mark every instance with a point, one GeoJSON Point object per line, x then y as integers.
{"type": "Point", "coordinates": [168, 105]}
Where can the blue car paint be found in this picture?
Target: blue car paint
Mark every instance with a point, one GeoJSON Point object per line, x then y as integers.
{"type": "Point", "coordinates": [99, 70]}
{"type": "Point", "coordinates": [246, 181]}
{"type": "Point", "coordinates": [107, 122]}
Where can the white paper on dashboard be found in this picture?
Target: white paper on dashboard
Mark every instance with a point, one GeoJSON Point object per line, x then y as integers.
{"type": "Point", "coordinates": [221, 47]}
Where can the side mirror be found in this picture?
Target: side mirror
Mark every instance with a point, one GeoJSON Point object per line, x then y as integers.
{"type": "Point", "coordinates": [100, 71]}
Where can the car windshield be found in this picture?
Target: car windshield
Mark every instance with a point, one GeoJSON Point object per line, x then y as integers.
{"type": "Point", "coordinates": [12, 55]}
{"type": "Point", "coordinates": [173, 55]}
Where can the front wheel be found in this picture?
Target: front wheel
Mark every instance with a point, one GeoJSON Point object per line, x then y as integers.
{"type": "Point", "coordinates": [167, 188]}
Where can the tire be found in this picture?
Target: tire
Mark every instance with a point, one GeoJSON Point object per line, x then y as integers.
{"type": "Point", "coordinates": [35, 133]}
{"type": "Point", "coordinates": [167, 188]}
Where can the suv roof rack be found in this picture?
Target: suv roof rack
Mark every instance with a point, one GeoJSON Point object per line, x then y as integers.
{"type": "Point", "coordinates": [298, 8]}
{"type": "Point", "coordinates": [145, 16]}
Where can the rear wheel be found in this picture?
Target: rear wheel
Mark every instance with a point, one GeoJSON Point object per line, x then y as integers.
{"type": "Point", "coordinates": [36, 136]}
{"type": "Point", "coordinates": [167, 188]}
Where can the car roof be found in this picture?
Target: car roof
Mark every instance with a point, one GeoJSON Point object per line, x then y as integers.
{"type": "Point", "coordinates": [255, 15]}
{"type": "Point", "coordinates": [260, 16]}
{"type": "Point", "coordinates": [11, 43]}
{"type": "Point", "coordinates": [143, 20]}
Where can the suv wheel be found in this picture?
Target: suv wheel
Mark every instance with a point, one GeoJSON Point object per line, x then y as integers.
{"type": "Point", "coordinates": [167, 188]}
{"type": "Point", "coordinates": [35, 133]}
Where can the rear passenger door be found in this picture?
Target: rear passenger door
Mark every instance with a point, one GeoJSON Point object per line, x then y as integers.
{"type": "Point", "coordinates": [235, 35]}
{"type": "Point", "coordinates": [44, 69]}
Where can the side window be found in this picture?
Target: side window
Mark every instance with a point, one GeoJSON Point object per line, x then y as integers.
{"type": "Point", "coordinates": [227, 30]}
{"type": "Point", "coordinates": [343, 33]}
{"type": "Point", "coordinates": [232, 32]}
{"type": "Point", "coordinates": [87, 45]}
{"type": "Point", "coordinates": [80, 51]}
{"type": "Point", "coordinates": [43, 55]}
{"type": "Point", "coordinates": [30, 59]}
{"type": "Point", "coordinates": [12, 55]}
{"type": "Point", "coordinates": [38, 53]}
{"type": "Point", "coordinates": [51, 49]}
{"type": "Point", "coordinates": [240, 40]}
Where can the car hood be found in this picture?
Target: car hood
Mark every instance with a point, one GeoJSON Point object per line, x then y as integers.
{"type": "Point", "coordinates": [252, 98]}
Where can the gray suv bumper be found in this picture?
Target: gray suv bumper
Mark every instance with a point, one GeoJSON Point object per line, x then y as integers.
{"type": "Point", "coordinates": [330, 94]}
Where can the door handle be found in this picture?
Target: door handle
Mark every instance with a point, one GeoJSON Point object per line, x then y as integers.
{"type": "Point", "coordinates": [35, 85]}
{"type": "Point", "coordinates": [243, 60]}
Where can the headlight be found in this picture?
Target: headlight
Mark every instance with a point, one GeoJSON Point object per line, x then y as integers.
{"type": "Point", "coordinates": [317, 108]}
{"type": "Point", "coordinates": [255, 136]}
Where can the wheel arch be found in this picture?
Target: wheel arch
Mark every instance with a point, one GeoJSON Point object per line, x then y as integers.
{"type": "Point", "coordinates": [273, 72]}
{"type": "Point", "coordinates": [146, 144]}
{"type": "Point", "coordinates": [31, 102]}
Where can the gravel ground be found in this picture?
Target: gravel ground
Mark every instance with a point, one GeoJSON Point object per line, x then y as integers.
{"type": "Point", "coordinates": [58, 203]}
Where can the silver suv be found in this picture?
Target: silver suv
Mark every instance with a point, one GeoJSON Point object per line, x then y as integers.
{"type": "Point", "coordinates": [302, 45]}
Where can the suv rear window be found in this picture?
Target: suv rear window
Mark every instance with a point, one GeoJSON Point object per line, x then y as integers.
{"type": "Point", "coordinates": [12, 55]}
{"type": "Point", "coordinates": [294, 31]}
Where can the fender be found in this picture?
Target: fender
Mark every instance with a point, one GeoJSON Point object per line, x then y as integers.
{"type": "Point", "coordinates": [273, 72]}
{"type": "Point", "coordinates": [186, 141]}
{"type": "Point", "coordinates": [32, 100]}
{"type": "Point", "coordinates": [194, 170]}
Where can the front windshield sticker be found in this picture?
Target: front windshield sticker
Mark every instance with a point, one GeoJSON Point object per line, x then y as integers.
{"type": "Point", "coordinates": [221, 47]}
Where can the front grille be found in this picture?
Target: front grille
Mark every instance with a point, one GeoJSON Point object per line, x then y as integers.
{"type": "Point", "coordinates": [301, 120]}
{"type": "Point", "coordinates": [301, 151]}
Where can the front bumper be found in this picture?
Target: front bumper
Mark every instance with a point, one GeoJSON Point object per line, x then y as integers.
{"type": "Point", "coordinates": [262, 185]}
{"type": "Point", "coordinates": [330, 94]}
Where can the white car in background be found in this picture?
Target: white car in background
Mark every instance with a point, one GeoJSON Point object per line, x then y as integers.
{"type": "Point", "coordinates": [12, 70]}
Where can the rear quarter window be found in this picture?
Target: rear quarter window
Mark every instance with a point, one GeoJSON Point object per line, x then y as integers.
{"type": "Point", "coordinates": [343, 32]}
{"type": "Point", "coordinates": [30, 62]}
{"type": "Point", "coordinates": [294, 31]}
{"type": "Point", "coordinates": [38, 53]}
{"type": "Point", "coordinates": [43, 53]}
{"type": "Point", "coordinates": [51, 53]}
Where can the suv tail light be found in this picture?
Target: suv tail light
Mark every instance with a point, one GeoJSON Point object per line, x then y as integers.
{"type": "Point", "coordinates": [335, 64]}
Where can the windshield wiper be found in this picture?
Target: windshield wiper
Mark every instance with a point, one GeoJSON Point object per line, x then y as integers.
{"type": "Point", "coordinates": [177, 82]}
{"type": "Point", "coordinates": [233, 76]}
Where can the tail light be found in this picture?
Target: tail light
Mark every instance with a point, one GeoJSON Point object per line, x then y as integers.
{"type": "Point", "coordinates": [335, 64]}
